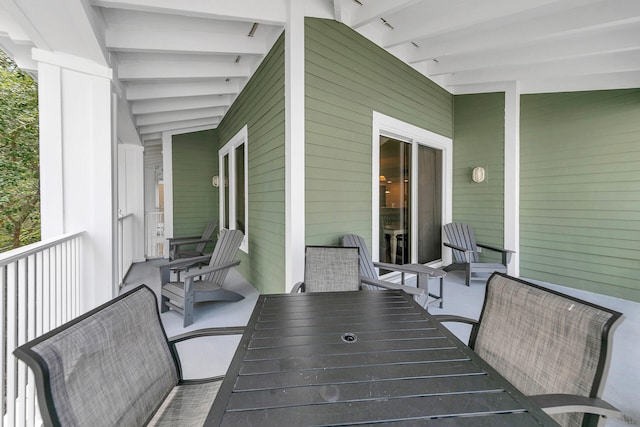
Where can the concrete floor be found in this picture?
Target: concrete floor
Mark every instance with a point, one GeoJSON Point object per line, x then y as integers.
{"type": "Point", "coordinates": [205, 357]}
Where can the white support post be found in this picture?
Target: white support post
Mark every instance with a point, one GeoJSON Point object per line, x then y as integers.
{"type": "Point", "coordinates": [77, 158]}
{"type": "Point", "coordinates": [512, 176]}
{"type": "Point", "coordinates": [294, 144]}
{"type": "Point", "coordinates": [167, 177]}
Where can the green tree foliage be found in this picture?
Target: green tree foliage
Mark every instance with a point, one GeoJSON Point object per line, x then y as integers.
{"type": "Point", "coordinates": [19, 163]}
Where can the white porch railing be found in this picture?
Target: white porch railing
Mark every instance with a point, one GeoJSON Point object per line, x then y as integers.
{"type": "Point", "coordinates": [39, 291]}
{"type": "Point", "coordinates": [154, 234]}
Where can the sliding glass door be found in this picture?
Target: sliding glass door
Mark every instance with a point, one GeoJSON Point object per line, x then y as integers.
{"type": "Point", "coordinates": [410, 202]}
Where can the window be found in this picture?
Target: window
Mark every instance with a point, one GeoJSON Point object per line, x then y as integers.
{"type": "Point", "coordinates": [233, 186]}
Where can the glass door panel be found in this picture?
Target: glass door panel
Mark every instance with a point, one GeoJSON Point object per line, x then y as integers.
{"type": "Point", "coordinates": [429, 212]}
{"type": "Point", "coordinates": [240, 189]}
{"type": "Point", "coordinates": [395, 201]}
{"type": "Point", "coordinates": [225, 186]}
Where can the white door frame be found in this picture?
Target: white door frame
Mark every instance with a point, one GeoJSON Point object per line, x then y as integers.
{"type": "Point", "coordinates": [397, 129]}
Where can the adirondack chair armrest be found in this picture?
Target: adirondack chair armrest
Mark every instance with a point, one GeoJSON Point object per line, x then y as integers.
{"type": "Point", "coordinates": [411, 269]}
{"type": "Point", "coordinates": [506, 253]}
{"type": "Point", "coordinates": [415, 292]}
{"type": "Point", "coordinates": [207, 270]}
{"type": "Point", "coordinates": [442, 318]}
{"type": "Point", "coordinates": [298, 287]}
{"type": "Point", "coordinates": [178, 265]}
{"type": "Point", "coordinates": [185, 261]}
{"type": "Point", "coordinates": [494, 248]}
{"type": "Point", "coordinates": [176, 239]}
{"type": "Point", "coordinates": [190, 241]}
{"type": "Point", "coordinates": [561, 403]}
{"type": "Point", "coordinates": [467, 252]}
{"type": "Point", "coordinates": [458, 248]}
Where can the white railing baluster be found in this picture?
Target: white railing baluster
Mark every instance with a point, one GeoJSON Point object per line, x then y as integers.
{"type": "Point", "coordinates": [11, 337]}
{"type": "Point", "coordinates": [32, 270]}
{"type": "Point", "coordinates": [22, 320]}
{"type": "Point", "coordinates": [39, 290]}
{"type": "Point", "coordinates": [3, 347]}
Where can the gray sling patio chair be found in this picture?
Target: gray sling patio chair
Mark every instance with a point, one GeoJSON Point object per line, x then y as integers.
{"type": "Point", "coordinates": [189, 247]}
{"type": "Point", "coordinates": [551, 346]}
{"type": "Point", "coordinates": [369, 275]}
{"type": "Point", "coordinates": [202, 283]}
{"type": "Point", "coordinates": [115, 366]}
{"type": "Point", "coordinates": [461, 238]}
{"type": "Point", "coordinates": [337, 268]}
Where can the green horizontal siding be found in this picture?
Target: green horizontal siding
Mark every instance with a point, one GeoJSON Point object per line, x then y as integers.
{"type": "Point", "coordinates": [195, 200]}
{"type": "Point", "coordinates": [580, 190]}
{"type": "Point", "coordinates": [479, 141]}
{"type": "Point", "coordinates": [347, 78]}
{"type": "Point", "coordinates": [260, 106]}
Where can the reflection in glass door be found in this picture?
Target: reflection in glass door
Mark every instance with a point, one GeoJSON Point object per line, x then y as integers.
{"type": "Point", "coordinates": [410, 208]}
{"type": "Point", "coordinates": [395, 200]}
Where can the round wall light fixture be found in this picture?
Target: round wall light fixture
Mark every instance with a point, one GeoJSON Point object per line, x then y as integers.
{"type": "Point", "coordinates": [478, 174]}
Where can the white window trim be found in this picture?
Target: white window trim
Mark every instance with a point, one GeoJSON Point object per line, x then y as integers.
{"type": "Point", "coordinates": [229, 149]}
{"type": "Point", "coordinates": [402, 131]}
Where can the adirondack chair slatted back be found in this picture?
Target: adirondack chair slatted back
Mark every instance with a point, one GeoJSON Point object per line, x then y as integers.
{"type": "Point", "coordinates": [225, 251]}
{"type": "Point", "coordinates": [206, 235]}
{"type": "Point", "coordinates": [567, 336]}
{"type": "Point", "coordinates": [367, 268]}
{"type": "Point", "coordinates": [462, 235]}
{"type": "Point", "coordinates": [331, 268]}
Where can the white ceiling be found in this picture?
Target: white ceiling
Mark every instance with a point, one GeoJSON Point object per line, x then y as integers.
{"type": "Point", "coordinates": [181, 63]}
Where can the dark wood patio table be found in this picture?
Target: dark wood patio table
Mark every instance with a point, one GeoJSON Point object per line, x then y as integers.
{"type": "Point", "coordinates": [344, 358]}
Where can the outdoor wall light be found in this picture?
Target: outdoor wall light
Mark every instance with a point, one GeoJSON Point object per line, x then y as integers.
{"type": "Point", "coordinates": [478, 174]}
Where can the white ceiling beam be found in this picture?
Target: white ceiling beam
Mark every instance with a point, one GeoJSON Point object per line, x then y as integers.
{"type": "Point", "coordinates": [273, 12]}
{"type": "Point", "coordinates": [181, 115]}
{"type": "Point", "coordinates": [212, 123]}
{"type": "Point", "coordinates": [522, 31]}
{"type": "Point", "coordinates": [430, 20]}
{"type": "Point", "coordinates": [340, 11]}
{"type": "Point", "coordinates": [173, 90]}
{"type": "Point", "coordinates": [597, 43]}
{"type": "Point", "coordinates": [373, 10]}
{"type": "Point", "coordinates": [137, 39]}
{"type": "Point", "coordinates": [600, 64]}
{"type": "Point", "coordinates": [63, 26]}
{"type": "Point", "coordinates": [176, 104]}
{"type": "Point", "coordinates": [624, 80]}
{"type": "Point", "coordinates": [144, 70]}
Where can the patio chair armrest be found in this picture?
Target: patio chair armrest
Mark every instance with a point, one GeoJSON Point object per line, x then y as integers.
{"type": "Point", "coordinates": [411, 269]}
{"type": "Point", "coordinates": [442, 318]}
{"type": "Point", "coordinates": [206, 332]}
{"type": "Point", "coordinates": [207, 270]}
{"type": "Point", "coordinates": [200, 333]}
{"type": "Point", "coordinates": [298, 287]}
{"type": "Point", "coordinates": [415, 292]}
{"type": "Point", "coordinates": [561, 403]}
